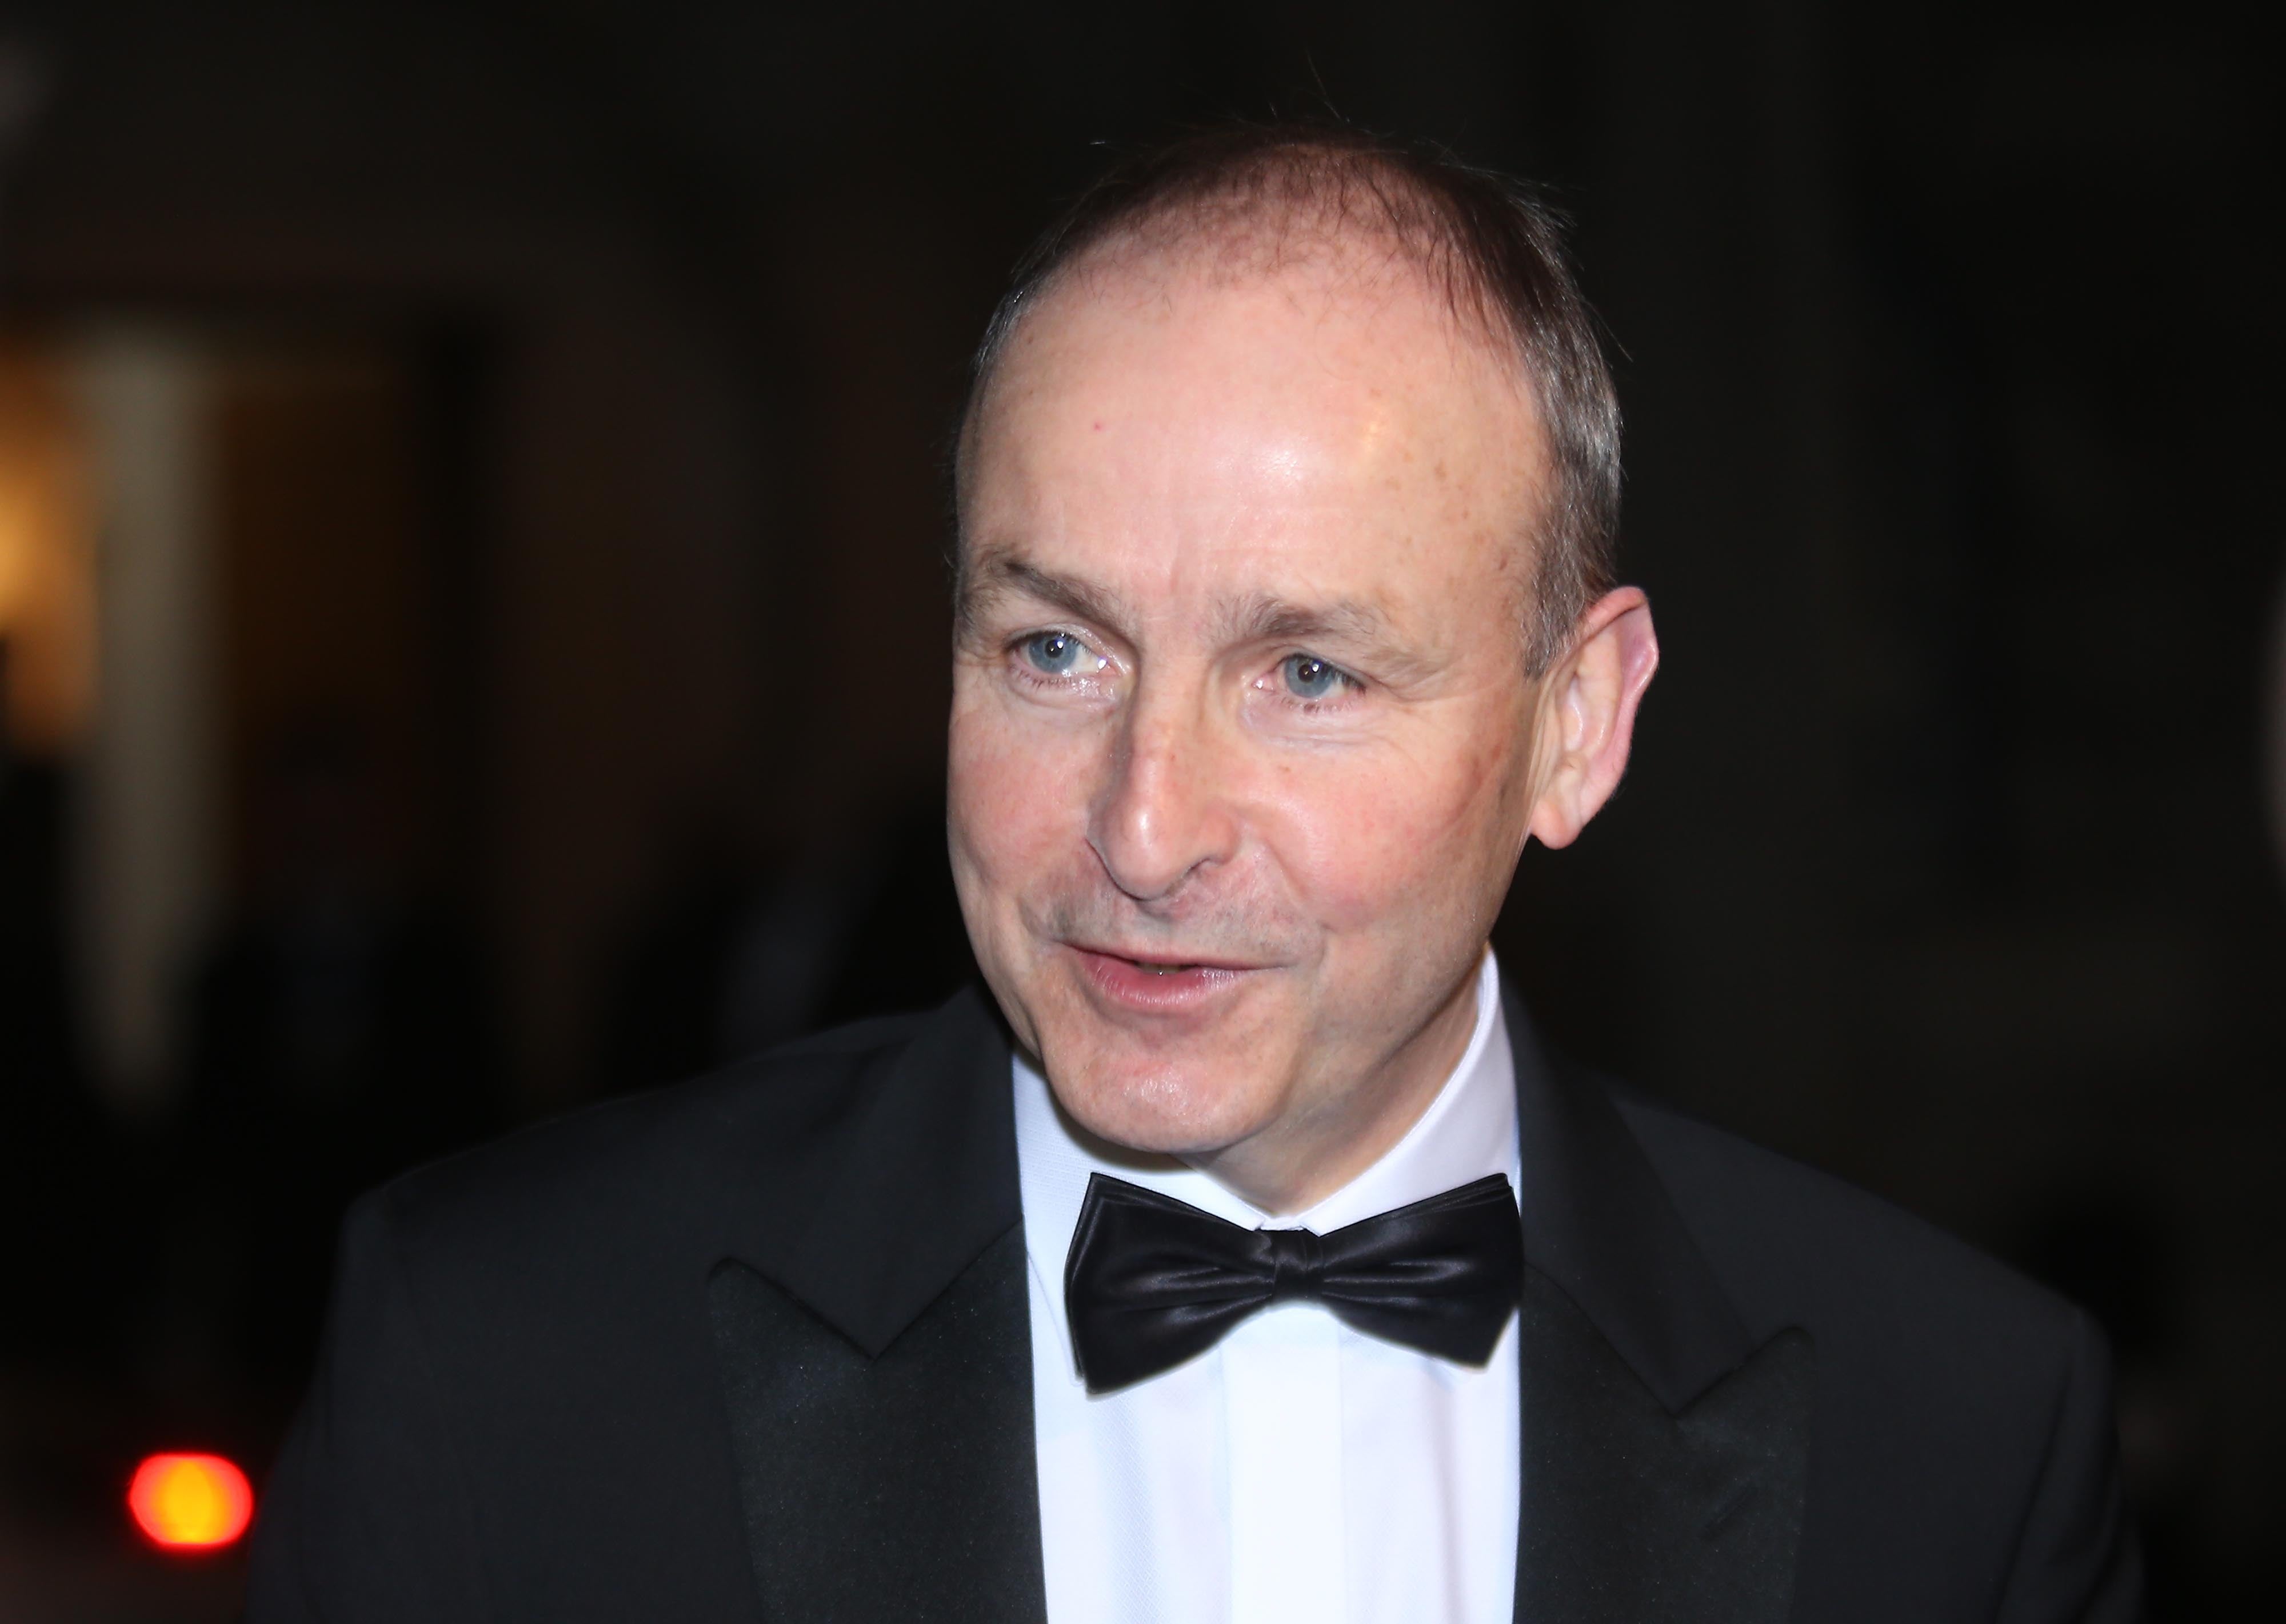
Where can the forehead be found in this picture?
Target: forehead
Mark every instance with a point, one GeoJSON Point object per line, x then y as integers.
{"type": "Point", "coordinates": [1171, 423]}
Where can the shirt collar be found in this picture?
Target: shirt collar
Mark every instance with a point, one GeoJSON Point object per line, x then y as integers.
{"type": "Point", "coordinates": [1468, 1132]}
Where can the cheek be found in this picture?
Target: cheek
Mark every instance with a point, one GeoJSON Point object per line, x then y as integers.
{"type": "Point", "coordinates": [1018, 799]}
{"type": "Point", "coordinates": [1391, 842]}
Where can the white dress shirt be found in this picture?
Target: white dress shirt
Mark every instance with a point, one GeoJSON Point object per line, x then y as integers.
{"type": "Point", "coordinates": [1298, 1471]}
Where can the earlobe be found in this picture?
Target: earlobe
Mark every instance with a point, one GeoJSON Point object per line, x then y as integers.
{"type": "Point", "coordinates": [1591, 721]}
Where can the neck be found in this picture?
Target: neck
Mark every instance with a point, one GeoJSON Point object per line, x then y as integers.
{"type": "Point", "coordinates": [1298, 1161]}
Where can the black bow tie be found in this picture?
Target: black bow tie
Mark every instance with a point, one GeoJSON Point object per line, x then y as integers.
{"type": "Point", "coordinates": [1150, 1282]}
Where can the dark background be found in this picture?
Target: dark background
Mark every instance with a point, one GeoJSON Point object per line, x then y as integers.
{"type": "Point", "coordinates": [555, 696]}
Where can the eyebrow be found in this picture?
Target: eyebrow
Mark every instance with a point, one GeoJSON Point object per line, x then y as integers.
{"type": "Point", "coordinates": [1262, 619]}
{"type": "Point", "coordinates": [998, 574]}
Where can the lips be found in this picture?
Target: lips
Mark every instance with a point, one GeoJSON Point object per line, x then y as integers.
{"type": "Point", "coordinates": [1157, 963]}
{"type": "Point", "coordinates": [1158, 985]}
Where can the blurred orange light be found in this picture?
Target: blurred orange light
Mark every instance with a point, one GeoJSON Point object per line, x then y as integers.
{"type": "Point", "coordinates": [190, 1501]}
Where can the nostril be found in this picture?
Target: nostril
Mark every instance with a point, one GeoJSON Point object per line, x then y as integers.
{"type": "Point", "coordinates": [1146, 866]}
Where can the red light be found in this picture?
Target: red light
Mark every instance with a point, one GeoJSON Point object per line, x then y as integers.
{"type": "Point", "coordinates": [190, 1501]}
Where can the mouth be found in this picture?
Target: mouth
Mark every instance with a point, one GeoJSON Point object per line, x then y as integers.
{"type": "Point", "coordinates": [1156, 983]}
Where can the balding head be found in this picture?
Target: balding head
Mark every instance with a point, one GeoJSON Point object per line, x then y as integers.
{"type": "Point", "coordinates": [1252, 201]}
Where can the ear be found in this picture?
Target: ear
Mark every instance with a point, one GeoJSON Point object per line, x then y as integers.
{"type": "Point", "coordinates": [1587, 715]}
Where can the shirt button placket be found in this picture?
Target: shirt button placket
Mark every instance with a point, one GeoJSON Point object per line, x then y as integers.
{"type": "Point", "coordinates": [1281, 1376]}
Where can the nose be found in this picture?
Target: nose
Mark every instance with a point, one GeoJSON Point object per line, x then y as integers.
{"type": "Point", "coordinates": [1166, 813]}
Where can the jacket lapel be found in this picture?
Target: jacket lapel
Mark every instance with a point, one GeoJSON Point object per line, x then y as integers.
{"type": "Point", "coordinates": [889, 1488]}
{"type": "Point", "coordinates": [1639, 1515]}
{"type": "Point", "coordinates": [878, 1379]}
{"type": "Point", "coordinates": [1665, 1457]}
{"type": "Point", "coordinates": [872, 1330]}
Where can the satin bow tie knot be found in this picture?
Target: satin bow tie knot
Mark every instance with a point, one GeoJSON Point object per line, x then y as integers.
{"type": "Point", "coordinates": [1298, 1263]}
{"type": "Point", "coordinates": [1151, 1281]}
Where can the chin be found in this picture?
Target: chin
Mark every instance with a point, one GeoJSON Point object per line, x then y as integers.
{"type": "Point", "coordinates": [1187, 1106]}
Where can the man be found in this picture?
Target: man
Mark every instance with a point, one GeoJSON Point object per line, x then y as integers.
{"type": "Point", "coordinates": [1183, 1278]}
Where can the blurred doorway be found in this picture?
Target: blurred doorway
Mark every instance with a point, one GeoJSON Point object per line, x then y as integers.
{"type": "Point", "coordinates": [240, 784]}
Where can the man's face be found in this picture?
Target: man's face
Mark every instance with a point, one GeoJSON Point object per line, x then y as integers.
{"type": "Point", "coordinates": [1242, 755]}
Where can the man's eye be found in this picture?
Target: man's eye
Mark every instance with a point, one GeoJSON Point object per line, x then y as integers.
{"type": "Point", "coordinates": [1055, 653]}
{"type": "Point", "coordinates": [1308, 677]}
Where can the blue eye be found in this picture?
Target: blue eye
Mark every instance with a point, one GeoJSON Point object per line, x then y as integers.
{"type": "Point", "coordinates": [1056, 653]}
{"type": "Point", "coordinates": [1308, 677]}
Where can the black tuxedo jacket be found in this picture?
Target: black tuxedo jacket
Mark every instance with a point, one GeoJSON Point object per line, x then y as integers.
{"type": "Point", "coordinates": [757, 1348]}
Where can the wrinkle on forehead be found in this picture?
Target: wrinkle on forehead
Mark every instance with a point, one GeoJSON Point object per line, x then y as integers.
{"type": "Point", "coordinates": [1320, 242]}
{"type": "Point", "coordinates": [1422, 406]}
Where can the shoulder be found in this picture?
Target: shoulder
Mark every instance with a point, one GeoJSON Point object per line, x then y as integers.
{"type": "Point", "coordinates": [1786, 1237]}
{"type": "Point", "coordinates": [630, 1177]}
{"type": "Point", "coordinates": [520, 1360]}
{"type": "Point", "coordinates": [808, 1164]}
{"type": "Point", "coordinates": [1926, 1346]}
{"type": "Point", "coordinates": [1958, 1402]}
